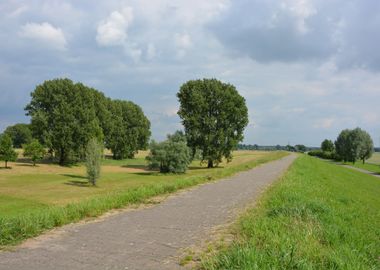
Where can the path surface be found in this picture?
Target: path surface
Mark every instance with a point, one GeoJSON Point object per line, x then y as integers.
{"type": "Point", "coordinates": [362, 170]}
{"type": "Point", "coordinates": [148, 238]}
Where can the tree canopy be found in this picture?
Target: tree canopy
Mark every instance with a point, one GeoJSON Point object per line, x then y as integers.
{"type": "Point", "coordinates": [66, 115]}
{"type": "Point", "coordinates": [20, 134]}
{"type": "Point", "coordinates": [354, 144]}
{"type": "Point", "coordinates": [214, 116]}
{"type": "Point", "coordinates": [327, 146]}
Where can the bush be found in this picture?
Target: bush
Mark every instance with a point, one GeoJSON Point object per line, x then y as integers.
{"type": "Point", "coordinates": [323, 154]}
{"type": "Point", "coordinates": [172, 155]}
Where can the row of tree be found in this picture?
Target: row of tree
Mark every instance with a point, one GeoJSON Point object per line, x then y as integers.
{"type": "Point", "coordinates": [65, 116]}
{"type": "Point", "coordinates": [351, 145]}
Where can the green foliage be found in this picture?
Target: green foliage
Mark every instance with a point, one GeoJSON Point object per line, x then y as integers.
{"type": "Point", "coordinates": [300, 148]}
{"type": "Point", "coordinates": [94, 154]}
{"type": "Point", "coordinates": [129, 129]}
{"type": "Point", "coordinates": [66, 115]}
{"type": "Point", "coordinates": [322, 154]}
{"type": "Point", "coordinates": [7, 153]}
{"type": "Point", "coordinates": [366, 146]}
{"type": "Point", "coordinates": [172, 155]}
{"type": "Point", "coordinates": [319, 216]}
{"type": "Point", "coordinates": [214, 116]}
{"type": "Point", "coordinates": [327, 146]}
{"type": "Point", "coordinates": [20, 134]}
{"type": "Point", "coordinates": [34, 150]}
{"type": "Point", "coordinates": [354, 144]}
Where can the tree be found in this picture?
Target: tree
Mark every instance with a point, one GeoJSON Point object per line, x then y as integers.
{"type": "Point", "coordinates": [172, 155]}
{"type": "Point", "coordinates": [20, 134]}
{"type": "Point", "coordinates": [7, 153]}
{"type": "Point", "coordinates": [327, 146]}
{"type": "Point", "coordinates": [129, 130]}
{"type": "Point", "coordinates": [64, 118]}
{"type": "Point", "coordinates": [366, 146]}
{"type": "Point", "coordinates": [342, 146]}
{"type": "Point", "coordinates": [34, 150]}
{"type": "Point", "coordinates": [300, 148]}
{"type": "Point", "coordinates": [214, 116]}
{"type": "Point", "coordinates": [354, 144]}
{"type": "Point", "coordinates": [94, 154]}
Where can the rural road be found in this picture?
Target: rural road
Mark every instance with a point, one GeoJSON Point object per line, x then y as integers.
{"type": "Point", "coordinates": [149, 238]}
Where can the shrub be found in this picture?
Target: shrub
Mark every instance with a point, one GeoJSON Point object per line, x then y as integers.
{"type": "Point", "coordinates": [172, 155]}
{"type": "Point", "coordinates": [323, 154]}
{"type": "Point", "coordinates": [94, 153]}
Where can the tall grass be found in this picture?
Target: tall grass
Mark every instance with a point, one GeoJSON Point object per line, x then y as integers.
{"type": "Point", "coordinates": [319, 216]}
{"type": "Point", "coordinates": [17, 228]}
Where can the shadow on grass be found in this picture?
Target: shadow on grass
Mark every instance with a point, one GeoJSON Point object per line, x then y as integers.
{"type": "Point", "coordinates": [74, 176]}
{"type": "Point", "coordinates": [7, 168]}
{"type": "Point", "coordinates": [137, 166]}
{"type": "Point", "coordinates": [78, 183]}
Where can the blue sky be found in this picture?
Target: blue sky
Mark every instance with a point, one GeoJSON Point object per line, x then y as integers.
{"type": "Point", "coordinates": [307, 69]}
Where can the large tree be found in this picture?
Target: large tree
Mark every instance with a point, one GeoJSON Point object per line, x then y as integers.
{"type": "Point", "coordinates": [7, 153]}
{"type": "Point", "coordinates": [64, 118]}
{"type": "Point", "coordinates": [327, 146]}
{"type": "Point", "coordinates": [354, 144]}
{"type": "Point", "coordinates": [129, 129]}
{"type": "Point", "coordinates": [366, 146]}
{"type": "Point", "coordinates": [214, 116]}
{"type": "Point", "coordinates": [20, 134]}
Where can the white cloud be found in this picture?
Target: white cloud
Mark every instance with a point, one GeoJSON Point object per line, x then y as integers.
{"type": "Point", "coordinates": [324, 123]}
{"type": "Point", "coordinates": [113, 30]}
{"type": "Point", "coordinates": [46, 34]}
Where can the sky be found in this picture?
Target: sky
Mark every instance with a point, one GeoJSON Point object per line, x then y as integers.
{"type": "Point", "coordinates": [307, 69]}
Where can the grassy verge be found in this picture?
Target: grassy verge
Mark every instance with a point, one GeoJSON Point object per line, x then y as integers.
{"type": "Point", "coordinates": [319, 216]}
{"type": "Point", "coordinates": [15, 228]}
{"type": "Point", "coordinates": [375, 168]}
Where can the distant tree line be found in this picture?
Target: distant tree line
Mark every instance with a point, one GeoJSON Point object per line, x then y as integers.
{"type": "Point", "coordinates": [351, 145]}
{"type": "Point", "coordinates": [65, 116]}
{"type": "Point", "coordinates": [296, 148]}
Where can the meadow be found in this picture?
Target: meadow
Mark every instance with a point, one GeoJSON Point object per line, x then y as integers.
{"type": "Point", "coordinates": [372, 164]}
{"type": "Point", "coordinates": [318, 216]}
{"type": "Point", "coordinates": [35, 199]}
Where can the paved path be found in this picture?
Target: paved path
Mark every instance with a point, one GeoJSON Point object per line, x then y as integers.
{"type": "Point", "coordinates": [148, 238]}
{"type": "Point", "coordinates": [362, 170]}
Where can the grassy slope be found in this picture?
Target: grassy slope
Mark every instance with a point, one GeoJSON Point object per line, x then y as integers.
{"type": "Point", "coordinates": [319, 216]}
{"type": "Point", "coordinates": [33, 203]}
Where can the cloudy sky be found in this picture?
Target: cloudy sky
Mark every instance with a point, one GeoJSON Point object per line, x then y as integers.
{"type": "Point", "coordinates": [307, 69]}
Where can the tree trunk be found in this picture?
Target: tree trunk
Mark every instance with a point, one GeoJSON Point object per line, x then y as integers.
{"type": "Point", "coordinates": [210, 164]}
{"type": "Point", "coordinates": [62, 157]}
{"type": "Point", "coordinates": [363, 160]}
{"type": "Point", "coordinates": [6, 164]}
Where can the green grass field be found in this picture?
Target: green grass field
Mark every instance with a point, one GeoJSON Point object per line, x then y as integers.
{"type": "Point", "coordinates": [318, 216]}
{"type": "Point", "coordinates": [34, 199]}
{"type": "Point", "coordinates": [372, 164]}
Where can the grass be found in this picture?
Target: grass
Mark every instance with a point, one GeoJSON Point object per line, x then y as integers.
{"type": "Point", "coordinates": [36, 199]}
{"type": "Point", "coordinates": [319, 216]}
{"type": "Point", "coordinates": [375, 168]}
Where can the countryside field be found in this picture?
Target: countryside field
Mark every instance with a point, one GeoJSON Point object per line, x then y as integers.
{"type": "Point", "coordinates": [372, 164]}
{"type": "Point", "coordinates": [318, 216]}
{"type": "Point", "coordinates": [33, 199]}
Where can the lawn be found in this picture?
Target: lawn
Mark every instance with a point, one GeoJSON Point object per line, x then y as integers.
{"type": "Point", "coordinates": [318, 216]}
{"type": "Point", "coordinates": [34, 199]}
